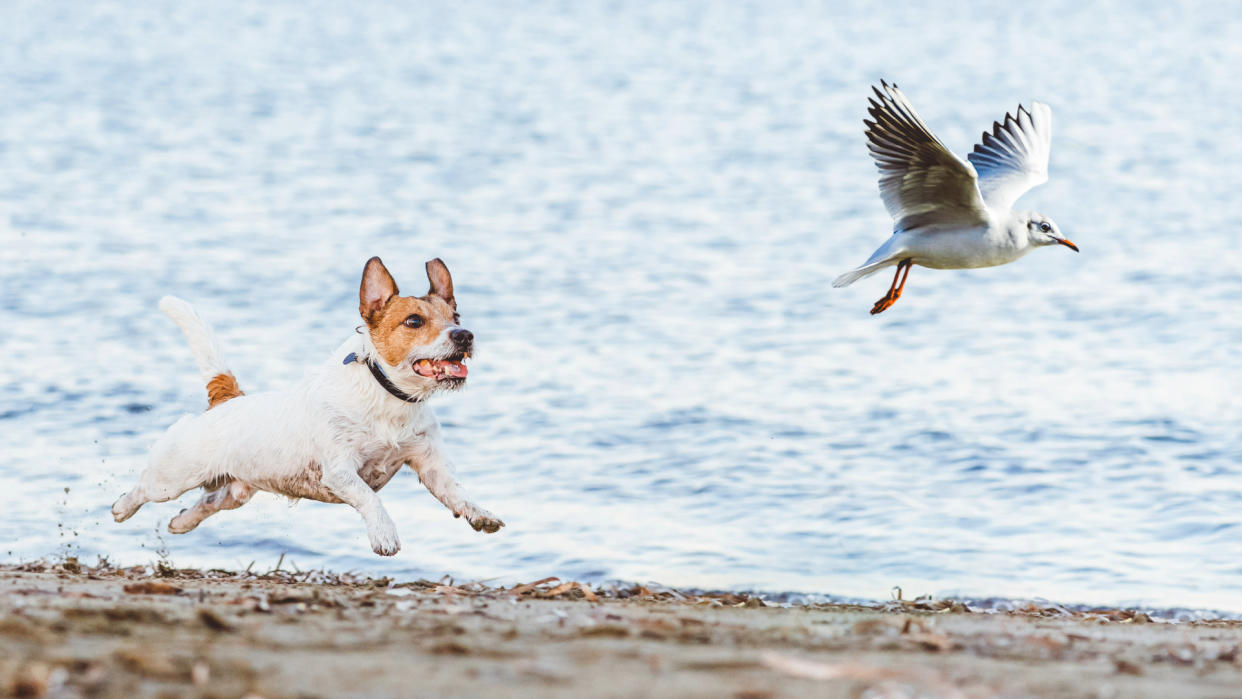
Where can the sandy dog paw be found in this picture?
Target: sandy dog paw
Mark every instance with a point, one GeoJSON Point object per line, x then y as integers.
{"type": "Point", "coordinates": [480, 519]}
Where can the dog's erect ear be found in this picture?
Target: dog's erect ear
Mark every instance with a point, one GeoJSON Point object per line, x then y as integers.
{"type": "Point", "coordinates": [377, 287]}
{"type": "Point", "coordinates": [441, 281]}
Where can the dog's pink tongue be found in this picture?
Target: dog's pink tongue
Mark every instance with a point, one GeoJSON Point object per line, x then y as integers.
{"type": "Point", "coordinates": [437, 368]}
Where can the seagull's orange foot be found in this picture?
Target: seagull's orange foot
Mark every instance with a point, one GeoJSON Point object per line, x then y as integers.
{"type": "Point", "coordinates": [883, 304]}
{"type": "Point", "coordinates": [894, 291]}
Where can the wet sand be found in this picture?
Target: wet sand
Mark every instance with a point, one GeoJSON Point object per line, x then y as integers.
{"type": "Point", "coordinates": [69, 630]}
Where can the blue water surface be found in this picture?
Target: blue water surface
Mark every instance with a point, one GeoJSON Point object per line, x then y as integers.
{"type": "Point", "coordinates": [643, 205]}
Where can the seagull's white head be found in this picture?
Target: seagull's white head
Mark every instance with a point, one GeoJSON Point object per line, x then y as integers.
{"type": "Point", "coordinates": [1043, 231]}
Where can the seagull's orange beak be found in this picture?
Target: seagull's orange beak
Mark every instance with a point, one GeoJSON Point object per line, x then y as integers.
{"type": "Point", "coordinates": [1068, 243]}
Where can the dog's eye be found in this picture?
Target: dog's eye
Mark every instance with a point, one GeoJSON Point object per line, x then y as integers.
{"type": "Point", "coordinates": [414, 321]}
{"type": "Point", "coordinates": [456, 319]}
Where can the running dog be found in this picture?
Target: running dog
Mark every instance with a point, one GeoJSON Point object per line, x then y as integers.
{"type": "Point", "coordinates": [340, 434]}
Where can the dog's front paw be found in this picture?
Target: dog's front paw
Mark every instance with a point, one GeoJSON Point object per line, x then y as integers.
{"type": "Point", "coordinates": [384, 539]}
{"type": "Point", "coordinates": [480, 519]}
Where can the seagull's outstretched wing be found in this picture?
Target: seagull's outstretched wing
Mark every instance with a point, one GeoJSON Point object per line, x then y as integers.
{"type": "Point", "coordinates": [921, 181]}
{"type": "Point", "coordinates": [1014, 157]}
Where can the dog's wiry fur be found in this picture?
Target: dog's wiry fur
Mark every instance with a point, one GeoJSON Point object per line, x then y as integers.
{"type": "Point", "coordinates": [336, 436]}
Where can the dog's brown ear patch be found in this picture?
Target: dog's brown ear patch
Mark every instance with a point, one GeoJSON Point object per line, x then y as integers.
{"type": "Point", "coordinates": [441, 281]}
{"type": "Point", "coordinates": [377, 288]}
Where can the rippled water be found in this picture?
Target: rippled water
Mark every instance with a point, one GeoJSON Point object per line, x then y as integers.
{"type": "Point", "coordinates": [642, 207]}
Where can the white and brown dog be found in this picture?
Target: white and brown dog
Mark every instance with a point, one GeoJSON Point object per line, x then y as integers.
{"type": "Point", "coordinates": [337, 436]}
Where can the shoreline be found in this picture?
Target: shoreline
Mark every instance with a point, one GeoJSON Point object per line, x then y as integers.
{"type": "Point", "coordinates": [72, 630]}
{"type": "Point", "coordinates": [285, 566]}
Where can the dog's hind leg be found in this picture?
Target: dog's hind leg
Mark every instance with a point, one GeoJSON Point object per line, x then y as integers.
{"type": "Point", "coordinates": [169, 473]}
{"type": "Point", "coordinates": [232, 495]}
{"type": "Point", "coordinates": [152, 488]}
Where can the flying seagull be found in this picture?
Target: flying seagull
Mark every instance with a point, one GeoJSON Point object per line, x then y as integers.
{"type": "Point", "coordinates": [949, 213]}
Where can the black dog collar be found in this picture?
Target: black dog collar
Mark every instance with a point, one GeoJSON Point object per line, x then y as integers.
{"type": "Point", "coordinates": [383, 379]}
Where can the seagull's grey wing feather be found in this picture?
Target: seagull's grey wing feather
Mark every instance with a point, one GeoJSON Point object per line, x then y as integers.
{"type": "Point", "coordinates": [1014, 157]}
{"type": "Point", "coordinates": [921, 181]}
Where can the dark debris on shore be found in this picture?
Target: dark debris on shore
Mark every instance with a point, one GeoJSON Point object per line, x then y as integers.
{"type": "Point", "coordinates": [555, 588]}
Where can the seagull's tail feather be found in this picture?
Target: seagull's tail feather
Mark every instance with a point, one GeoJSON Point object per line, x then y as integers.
{"type": "Point", "coordinates": [855, 274]}
{"type": "Point", "coordinates": [221, 385]}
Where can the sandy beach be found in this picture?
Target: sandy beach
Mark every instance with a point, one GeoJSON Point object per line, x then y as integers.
{"type": "Point", "coordinates": [71, 630]}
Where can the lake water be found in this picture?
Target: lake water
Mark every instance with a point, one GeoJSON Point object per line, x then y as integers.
{"type": "Point", "coordinates": [643, 207]}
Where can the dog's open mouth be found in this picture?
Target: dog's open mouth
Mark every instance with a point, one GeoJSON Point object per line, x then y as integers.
{"type": "Point", "coordinates": [442, 369]}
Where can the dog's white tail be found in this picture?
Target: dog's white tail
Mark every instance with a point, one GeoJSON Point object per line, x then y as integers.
{"type": "Point", "coordinates": [221, 384]}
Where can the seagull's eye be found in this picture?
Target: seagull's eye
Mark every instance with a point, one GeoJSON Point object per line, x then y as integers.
{"type": "Point", "coordinates": [1045, 227]}
{"type": "Point", "coordinates": [414, 321]}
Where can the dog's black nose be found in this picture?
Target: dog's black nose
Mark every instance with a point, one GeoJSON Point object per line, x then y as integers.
{"type": "Point", "coordinates": [462, 337]}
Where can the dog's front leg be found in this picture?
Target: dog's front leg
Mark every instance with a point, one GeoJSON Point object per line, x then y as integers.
{"type": "Point", "coordinates": [436, 473]}
{"type": "Point", "coordinates": [343, 480]}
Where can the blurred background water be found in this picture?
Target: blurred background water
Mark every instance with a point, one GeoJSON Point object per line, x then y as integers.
{"type": "Point", "coordinates": [642, 206]}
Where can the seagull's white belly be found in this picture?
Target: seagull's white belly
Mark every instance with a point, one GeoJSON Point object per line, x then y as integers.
{"type": "Point", "coordinates": [963, 249]}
